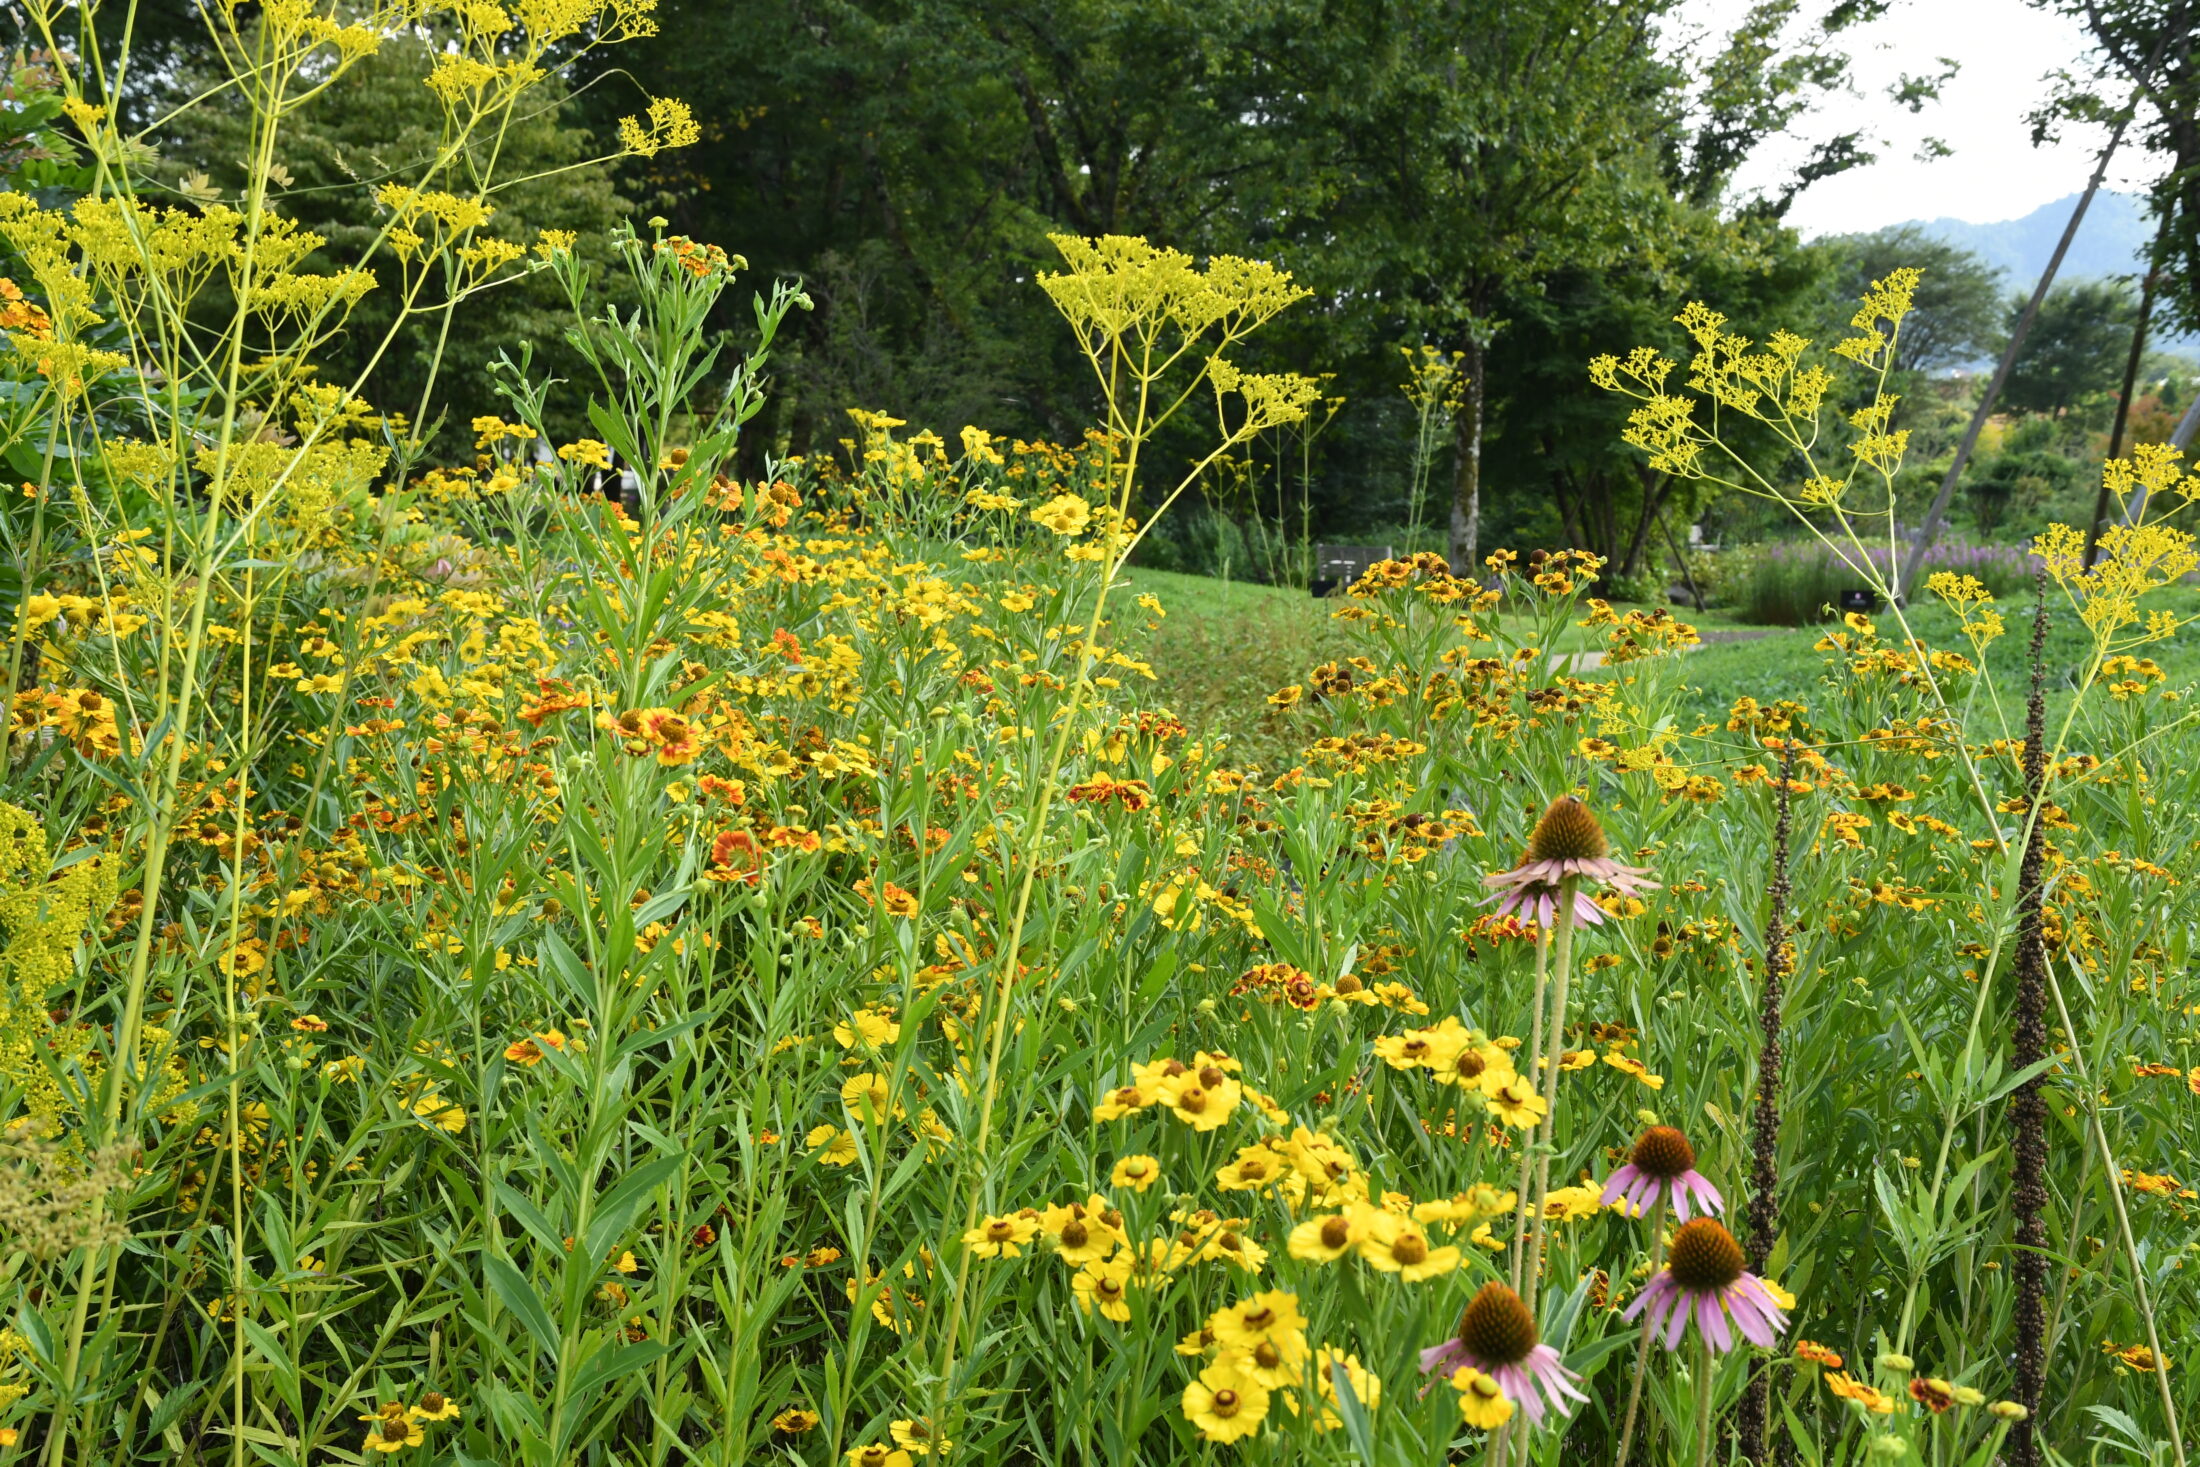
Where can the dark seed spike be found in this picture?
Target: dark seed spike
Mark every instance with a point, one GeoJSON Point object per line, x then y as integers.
{"type": "Point", "coordinates": [2028, 1045]}
{"type": "Point", "coordinates": [1764, 1131]}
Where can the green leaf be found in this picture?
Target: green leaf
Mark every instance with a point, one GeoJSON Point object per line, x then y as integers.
{"type": "Point", "coordinates": [616, 1208]}
{"type": "Point", "coordinates": [519, 1296]}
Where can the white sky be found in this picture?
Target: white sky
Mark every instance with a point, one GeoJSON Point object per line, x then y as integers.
{"type": "Point", "coordinates": [2007, 49]}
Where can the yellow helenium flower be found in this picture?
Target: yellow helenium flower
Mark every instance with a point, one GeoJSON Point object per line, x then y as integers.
{"type": "Point", "coordinates": [1002, 1237]}
{"type": "Point", "coordinates": [1135, 1172]}
{"type": "Point", "coordinates": [1201, 1105]}
{"type": "Point", "coordinates": [1105, 1286]}
{"type": "Point", "coordinates": [1324, 1239]}
{"type": "Point", "coordinates": [1272, 1316]}
{"type": "Point", "coordinates": [1395, 1245]}
{"type": "Point", "coordinates": [1225, 1403]}
{"type": "Point", "coordinates": [1480, 1400]}
{"type": "Point", "coordinates": [1064, 514]}
{"type": "Point", "coordinates": [1516, 1103]}
{"type": "Point", "coordinates": [1366, 1386]}
{"type": "Point", "coordinates": [1083, 1233]}
{"type": "Point", "coordinates": [833, 1146]}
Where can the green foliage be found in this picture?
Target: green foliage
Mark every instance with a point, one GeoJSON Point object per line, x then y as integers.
{"type": "Point", "coordinates": [371, 125]}
{"type": "Point", "coordinates": [1957, 317]}
{"type": "Point", "coordinates": [2073, 357]}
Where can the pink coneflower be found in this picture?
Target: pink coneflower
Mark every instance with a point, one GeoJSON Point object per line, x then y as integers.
{"type": "Point", "coordinates": [1566, 842]}
{"type": "Point", "coordinates": [1497, 1336]}
{"type": "Point", "coordinates": [1704, 1277]}
{"type": "Point", "coordinates": [1664, 1164]}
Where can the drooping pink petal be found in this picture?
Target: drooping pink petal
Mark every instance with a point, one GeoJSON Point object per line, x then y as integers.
{"type": "Point", "coordinates": [1618, 1185]}
{"type": "Point", "coordinates": [1711, 1322]}
{"type": "Point", "coordinates": [1519, 1388]}
{"type": "Point", "coordinates": [1750, 1319]}
{"type": "Point", "coordinates": [1673, 1310]}
{"type": "Point", "coordinates": [1700, 1184]}
{"type": "Point", "coordinates": [1678, 1194]}
{"type": "Point", "coordinates": [1443, 1359]}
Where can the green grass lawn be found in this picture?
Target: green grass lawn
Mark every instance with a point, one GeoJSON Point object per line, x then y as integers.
{"type": "Point", "coordinates": [1225, 646]}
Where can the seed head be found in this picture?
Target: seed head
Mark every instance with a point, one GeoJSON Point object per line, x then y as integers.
{"type": "Point", "coordinates": [1704, 1257]}
{"type": "Point", "coordinates": [1567, 832]}
{"type": "Point", "coordinates": [1497, 1328]}
{"type": "Point", "coordinates": [1663, 1153]}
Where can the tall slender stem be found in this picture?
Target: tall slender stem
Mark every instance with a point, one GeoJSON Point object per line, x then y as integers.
{"type": "Point", "coordinates": [1642, 1346]}
{"type": "Point", "coordinates": [1702, 1444]}
{"type": "Point", "coordinates": [1527, 1148]}
{"type": "Point", "coordinates": [1563, 962]}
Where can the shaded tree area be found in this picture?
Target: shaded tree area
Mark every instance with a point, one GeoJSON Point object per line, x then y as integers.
{"type": "Point", "coordinates": [1548, 172]}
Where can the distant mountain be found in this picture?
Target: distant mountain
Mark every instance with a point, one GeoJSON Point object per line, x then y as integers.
{"type": "Point", "coordinates": [2112, 241]}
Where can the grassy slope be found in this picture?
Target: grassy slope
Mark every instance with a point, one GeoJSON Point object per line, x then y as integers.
{"type": "Point", "coordinates": [1224, 647]}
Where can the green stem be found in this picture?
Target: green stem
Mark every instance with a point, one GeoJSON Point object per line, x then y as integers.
{"type": "Point", "coordinates": [1642, 1346]}
{"type": "Point", "coordinates": [1563, 960]}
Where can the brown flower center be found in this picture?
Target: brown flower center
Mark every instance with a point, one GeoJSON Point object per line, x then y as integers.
{"type": "Point", "coordinates": [1267, 1356]}
{"type": "Point", "coordinates": [1410, 1249]}
{"type": "Point", "coordinates": [432, 1402]}
{"type": "Point", "coordinates": [1664, 1153]}
{"type": "Point", "coordinates": [1226, 1403]}
{"type": "Point", "coordinates": [395, 1429]}
{"type": "Point", "coordinates": [1336, 1232]}
{"type": "Point", "coordinates": [1191, 1098]}
{"type": "Point", "coordinates": [1075, 1234]}
{"type": "Point", "coordinates": [1127, 1096]}
{"type": "Point", "coordinates": [1704, 1256]}
{"type": "Point", "coordinates": [1260, 1318]}
{"type": "Point", "coordinates": [1470, 1064]}
{"type": "Point", "coordinates": [1212, 1077]}
{"type": "Point", "coordinates": [1349, 984]}
{"type": "Point", "coordinates": [1567, 832]}
{"type": "Point", "coordinates": [1497, 1328]}
{"type": "Point", "coordinates": [1173, 1068]}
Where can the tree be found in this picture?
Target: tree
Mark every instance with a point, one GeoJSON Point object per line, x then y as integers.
{"type": "Point", "coordinates": [2145, 49]}
{"type": "Point", "coordinates": [2075, 352]}
{"type": "Point", "coordinates": [1959, 314]}
{"type": "Point", "coordinates": [1456, 161]}
{"type": "Point", "coordinates": [907, 160]}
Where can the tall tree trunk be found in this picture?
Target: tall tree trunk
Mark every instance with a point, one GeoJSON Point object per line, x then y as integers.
{"type": "Point", "coordinates": [1466, 480]}
{"type": "Point", "coordinates": [1653, 505]}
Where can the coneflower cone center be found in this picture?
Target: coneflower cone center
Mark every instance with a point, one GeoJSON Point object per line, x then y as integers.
{"type": "Point", "coordinates": [1567, 832]}
{"type": "Point", "coordinates": [1664, 1153]}
{"type": "Point", "coordinates": [1704, 1256]}
{"type": "Point", "coordinates": [1497, 1328]}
